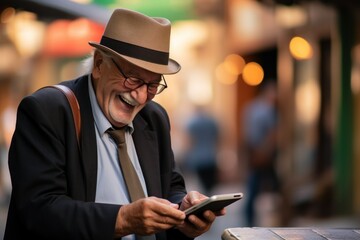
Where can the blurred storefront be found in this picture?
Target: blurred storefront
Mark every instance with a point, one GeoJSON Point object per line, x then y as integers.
{"type": "Point", "coordinates": [309, 45]}
{"type": "Point", "coordinates": [226, 49]}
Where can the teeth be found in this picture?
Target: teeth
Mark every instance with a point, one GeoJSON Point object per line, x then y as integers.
{"type": "Point", "coordinates": [127, 101]}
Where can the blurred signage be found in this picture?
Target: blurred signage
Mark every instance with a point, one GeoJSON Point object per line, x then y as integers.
{"type": "Point", "coordinates": [69, 38]}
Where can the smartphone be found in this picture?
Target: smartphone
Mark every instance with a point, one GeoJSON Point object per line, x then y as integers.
{"type": "Point", "coordinates": [214, 203]}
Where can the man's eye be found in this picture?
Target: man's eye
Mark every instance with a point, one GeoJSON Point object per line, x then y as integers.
{"type": "Point", "coordinates": [134, 81]}
{"type": "Point", "coordinates": [153, 87]}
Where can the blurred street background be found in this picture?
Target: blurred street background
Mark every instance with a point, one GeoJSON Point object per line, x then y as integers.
{"type": "Point", "coordinates": [293, 152]}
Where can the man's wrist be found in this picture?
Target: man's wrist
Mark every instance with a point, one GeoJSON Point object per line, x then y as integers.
{"type": "Point", "coordinates": [120, 224]}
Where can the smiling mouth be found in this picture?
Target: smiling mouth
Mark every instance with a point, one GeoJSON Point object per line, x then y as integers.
{"type": "Point", "coordinates": [126, 101]}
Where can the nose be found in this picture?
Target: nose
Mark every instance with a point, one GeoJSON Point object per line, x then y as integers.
{"type": "Point", "coordinates": [140, 94]}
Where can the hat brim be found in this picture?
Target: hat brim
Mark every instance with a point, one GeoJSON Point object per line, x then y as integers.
{"type": "Point", "coordinates": [171, 68]}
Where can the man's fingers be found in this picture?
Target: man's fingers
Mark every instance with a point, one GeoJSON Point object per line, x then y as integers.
{"type": "Point", "coordinates": [164, 213]}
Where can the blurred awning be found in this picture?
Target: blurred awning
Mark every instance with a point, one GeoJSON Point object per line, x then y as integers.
{"type": "Point", "coordinates": [69, 38]}
{"type": "Point", "coordinates": [174, 10]}
{"type": "Point", "coordinates": [49, 10]}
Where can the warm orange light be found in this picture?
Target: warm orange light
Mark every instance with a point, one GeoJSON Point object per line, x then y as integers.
{"type": "Point", "coordinates": [300, 48]}
{"type": "Point", "coordinates": [234, 64]}
{"type": "Point", "coordinates": [253, 74]}
{"type": "Point", "coordinates": [224, 76]}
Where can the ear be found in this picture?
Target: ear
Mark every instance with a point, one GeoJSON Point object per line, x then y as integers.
{"type": "Point", "coordinates": [98, 60]}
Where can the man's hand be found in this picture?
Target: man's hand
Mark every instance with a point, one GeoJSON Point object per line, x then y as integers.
{"type": "Point", "coordinates": [195, 226]}
{"type": "Point", "coordinates": [148, 216]}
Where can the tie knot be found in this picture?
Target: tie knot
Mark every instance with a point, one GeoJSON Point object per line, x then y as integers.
{"type": "Point", "coordinates": [117, 134]}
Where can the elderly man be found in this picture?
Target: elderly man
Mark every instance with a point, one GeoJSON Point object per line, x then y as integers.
{"type": "Point", "coordinates": [65, 191]}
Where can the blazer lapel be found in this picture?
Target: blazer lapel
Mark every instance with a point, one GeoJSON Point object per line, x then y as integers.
{"type": "Point", "coordinates": [146, 145]}
{"type": "Point", "coordinates": [88, 138]}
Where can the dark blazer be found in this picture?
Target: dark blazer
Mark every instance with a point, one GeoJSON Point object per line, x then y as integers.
{"type": "Point", "coordinates": [54, 185]}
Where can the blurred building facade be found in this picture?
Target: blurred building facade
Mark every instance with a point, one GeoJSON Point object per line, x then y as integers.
{"type": "Point", "coordinates": [226, 48]}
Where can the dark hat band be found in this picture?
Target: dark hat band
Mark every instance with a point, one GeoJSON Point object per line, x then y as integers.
{"type": "Point", "coordinates": [135, 51]}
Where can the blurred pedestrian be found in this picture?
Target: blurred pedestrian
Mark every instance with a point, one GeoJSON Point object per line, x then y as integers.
{"type": "Point", "coordinates": [260, 126]}
{"type": "Point", "coordinates": [201, 155]}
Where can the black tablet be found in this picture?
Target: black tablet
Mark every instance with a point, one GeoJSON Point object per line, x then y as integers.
{"type": "Point", "coordinates": [214, 203]}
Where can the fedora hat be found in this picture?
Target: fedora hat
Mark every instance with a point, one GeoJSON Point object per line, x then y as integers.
{"type": "Point", "coordinates": [141, 40]}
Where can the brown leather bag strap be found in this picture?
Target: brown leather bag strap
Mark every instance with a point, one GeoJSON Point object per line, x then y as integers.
{"type": "Point", "coordinates": [75, 108]}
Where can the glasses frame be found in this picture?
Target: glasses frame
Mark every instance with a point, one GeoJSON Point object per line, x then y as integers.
{"type": "Point", "coordinates": [129, 82]}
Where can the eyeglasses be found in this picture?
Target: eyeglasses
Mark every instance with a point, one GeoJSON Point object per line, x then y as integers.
{"type": "Point", "coordinates": [134, 83]}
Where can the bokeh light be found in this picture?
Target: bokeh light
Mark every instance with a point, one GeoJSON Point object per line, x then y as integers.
{"type": "Point", "coordinates": [224, 76]}
{"type": "Point", "coordinates": [253, 74]}
{"type": "Point", "coordinates": [307, 101]}
{"type": "Point", "coordinates": [234, 64]}
{"type": "Point", "coordinates": [300, 48]}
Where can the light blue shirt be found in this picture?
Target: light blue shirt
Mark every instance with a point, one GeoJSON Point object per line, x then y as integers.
{"type": "Point", "coordinates": [110, 186]}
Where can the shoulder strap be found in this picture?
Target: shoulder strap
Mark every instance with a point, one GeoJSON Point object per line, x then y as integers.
{"type": "Point", "coordinates": [75, 108]}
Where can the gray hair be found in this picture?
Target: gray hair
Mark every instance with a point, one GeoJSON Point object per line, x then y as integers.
{"type": "Point", "coordinates": [87, 64]}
